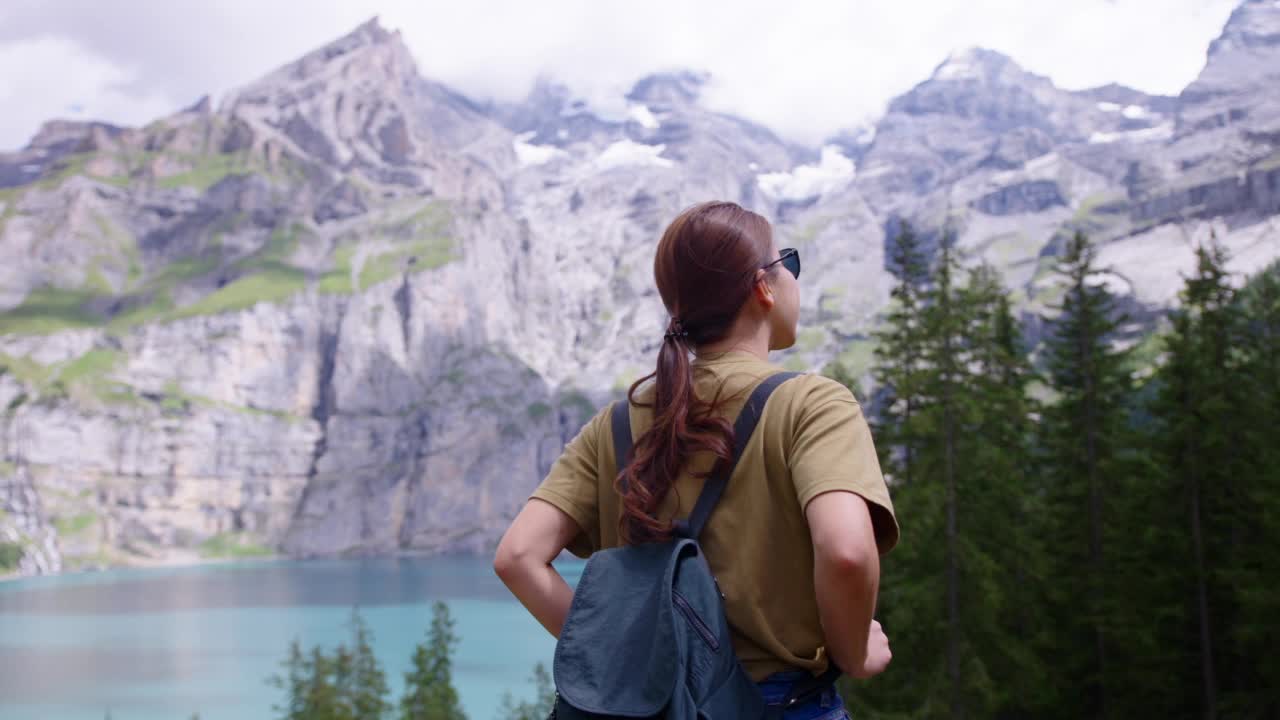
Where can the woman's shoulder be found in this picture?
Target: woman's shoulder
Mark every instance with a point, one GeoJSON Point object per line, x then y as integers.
{"type": "Point", "coordinates": [810, 390]}
{"type": "Point", "coordinates": [807, 390]}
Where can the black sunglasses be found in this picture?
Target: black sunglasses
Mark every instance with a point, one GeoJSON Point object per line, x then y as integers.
{"type": "Point", "coordinates": [790, 259]}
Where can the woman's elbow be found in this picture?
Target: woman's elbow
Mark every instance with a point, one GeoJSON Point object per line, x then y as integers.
{"type": "Point", "coordinates": [534, 539]}
{"type": "Point", "coordinates": [506, 560]}
{"type": "Point", "coordinates": [514, 559]}
{"type": "Point", "coordinates": [851, 559]}
{"type": "Point", "coordinates": [844, 540]}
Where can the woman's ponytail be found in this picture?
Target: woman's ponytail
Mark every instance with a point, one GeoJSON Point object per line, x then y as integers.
{"type": "Point", "coordinates": [704, 269]}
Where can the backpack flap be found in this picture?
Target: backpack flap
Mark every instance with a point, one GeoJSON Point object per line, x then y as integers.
{"type": "Point", "coordinates": [619, 651]}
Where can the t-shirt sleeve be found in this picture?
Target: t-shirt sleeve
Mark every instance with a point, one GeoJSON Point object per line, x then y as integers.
{"type": "Point", "coordinates": [572, 485]}
{"type": "Point", "coordinates": [832, 449]}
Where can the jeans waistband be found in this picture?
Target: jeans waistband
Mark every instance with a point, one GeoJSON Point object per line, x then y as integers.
{"type": "Point", "coordinates": [777, 686]}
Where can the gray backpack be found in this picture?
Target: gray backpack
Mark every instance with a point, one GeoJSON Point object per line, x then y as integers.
{"type": "Point", "coordinates": [646, 635]}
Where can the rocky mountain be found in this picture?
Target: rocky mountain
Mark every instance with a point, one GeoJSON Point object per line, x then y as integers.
{"type": "Point", "coordinates": [350, 310]}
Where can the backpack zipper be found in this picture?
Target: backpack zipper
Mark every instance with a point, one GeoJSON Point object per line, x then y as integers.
{"type": "Point", "coordinates": [692, 616]}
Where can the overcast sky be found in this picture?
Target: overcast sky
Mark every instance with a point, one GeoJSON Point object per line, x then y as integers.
{"type": "Point", "coordinates": [805, 69]}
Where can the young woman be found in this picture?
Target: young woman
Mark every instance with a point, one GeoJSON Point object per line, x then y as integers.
{"type": "Point", "coordinates": [795, 540]}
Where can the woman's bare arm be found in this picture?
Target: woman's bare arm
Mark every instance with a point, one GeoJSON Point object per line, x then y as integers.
{"type": "Point", "coordinates": [846, 578]}
{"type": "Point", "coordinates": [523, 561]}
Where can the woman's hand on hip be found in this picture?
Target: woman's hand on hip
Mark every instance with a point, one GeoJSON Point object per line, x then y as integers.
{"type": "Point", "coordinates": [878, 653]}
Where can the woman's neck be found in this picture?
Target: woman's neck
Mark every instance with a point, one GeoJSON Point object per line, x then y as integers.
{"type": "Point", "coordinates": [757, 344]}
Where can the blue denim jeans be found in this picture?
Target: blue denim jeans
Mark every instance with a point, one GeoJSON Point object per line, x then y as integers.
{"type": "Point", "coordinates": [825, 705]}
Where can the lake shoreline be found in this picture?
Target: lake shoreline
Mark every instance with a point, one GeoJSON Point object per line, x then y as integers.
{"type": "Point", "coordinates": [182, 561]}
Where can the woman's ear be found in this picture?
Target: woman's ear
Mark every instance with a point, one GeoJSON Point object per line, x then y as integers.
{"type": "Point", "coordinates": [763, 291]}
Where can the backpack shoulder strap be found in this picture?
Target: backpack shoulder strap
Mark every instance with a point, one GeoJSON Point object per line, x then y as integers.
{"type": "Point", "coordinates": [743, 427]}
{"type": "Point", "coordinates": [620, 421]}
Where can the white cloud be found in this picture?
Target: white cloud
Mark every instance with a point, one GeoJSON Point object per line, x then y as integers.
{"type": "Point", "coordinates": [805, 69]}
{"type": "Point", "coordinates": [833, 172]}
{"type": "Point", "coordinates": [49, 78]}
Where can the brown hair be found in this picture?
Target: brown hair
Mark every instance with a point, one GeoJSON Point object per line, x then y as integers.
{"type": "Point", "coordinates": [705, 270]}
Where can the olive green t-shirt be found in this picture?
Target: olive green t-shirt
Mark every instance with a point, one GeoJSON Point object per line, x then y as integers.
{"type": "Point", "coordinates": [811, 439]}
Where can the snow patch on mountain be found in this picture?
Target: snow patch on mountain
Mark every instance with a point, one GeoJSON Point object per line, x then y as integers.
{"type": "Point", "coordinates": [605, 104]}
{"type": "Point", "coordinates": [1130, 112]}
{"type": "Point", "coordinates": [1111, 281]}
{"type": "Point", "coordinates": [1145, 135]}
{"type": "Point", "coordinates": [1135, 112]}
{"type": "Point", "coordinates": [528, 154]}
{"type": "Point", "coordinates": [643, 115]}
{"type": "Point", "coordinates": [630, 152]}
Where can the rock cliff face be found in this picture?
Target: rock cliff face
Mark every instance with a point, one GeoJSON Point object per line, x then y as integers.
{"type": "Point", "coordinates": [351, 310]}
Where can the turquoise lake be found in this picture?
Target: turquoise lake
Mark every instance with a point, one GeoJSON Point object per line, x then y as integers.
{"type": "Point", "coordinates": [162, 644]}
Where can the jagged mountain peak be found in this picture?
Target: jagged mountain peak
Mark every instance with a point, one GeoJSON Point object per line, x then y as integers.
{"type": "Point", "coordinates": [1234, 91]}
{"type": "Point", "coordinates": [370, 33]}
{"type": "Point", "coordinates": [1124, 96]}
{"type": "Point", "coordinates": [983, 86]}
{"type": "Point", "coordinates": [1249, 42]}
{"type": "Point", "coordinates": [69, 135]}
{"type": "Point", "coordinates": [369, 56]}
{"type": "Point", "coordinates": [552, 114]}
{"type": "Point", "coordinates": [360, 102]}
{"type": "Point", "coordinates": [1254, 23]}
{"type": "Point", "coordinates": [672, 88]}
{"type": "Point", "coordinates": [980, 111]}
{"type": "Point", "coordinates": [558, 114]}
{"type": "Point", "coordinates": [665, 90]}
{"type": "Point", "coordinates": [975, 63]}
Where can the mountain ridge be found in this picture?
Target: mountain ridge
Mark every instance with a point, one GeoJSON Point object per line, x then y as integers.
{"type": "Point", "coordinates": [350, 310]}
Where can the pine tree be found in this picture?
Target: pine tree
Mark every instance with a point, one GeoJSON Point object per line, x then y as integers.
{"type": "Point", "coordinates": [1199, 411]}
{"type": "Point", "coordinates": [429, 693]}
{"type": "Point", "coordinates": [838, 372]}
{"type": "Point", "coordinates": [347, 684]}
{"type": "Point", "coordinates": [1257, 564]}
{"type": "Point", "coordinates": [899, 356]}
{"type": "Point", "coordinates": [945, 325]}
{"type": "Point", "coordinates": [911, 587]}
{"type": "Point", "coordinates": [1005, 560]}
{"type": "Point", "coordinates": [367, 689]}
{"type": "Point", "coordinates": [310, 686]}
{"type": "Point", "coordinates": [544, 698]}
{"type": "Point", "coordinates": [1082, 440]}
{"type": "Point", "coordinates": [293, 682]}
{"type": "Point", "coordinates": [1144, 610]}
{"type": "Point", "coordinates": [951, 597]}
